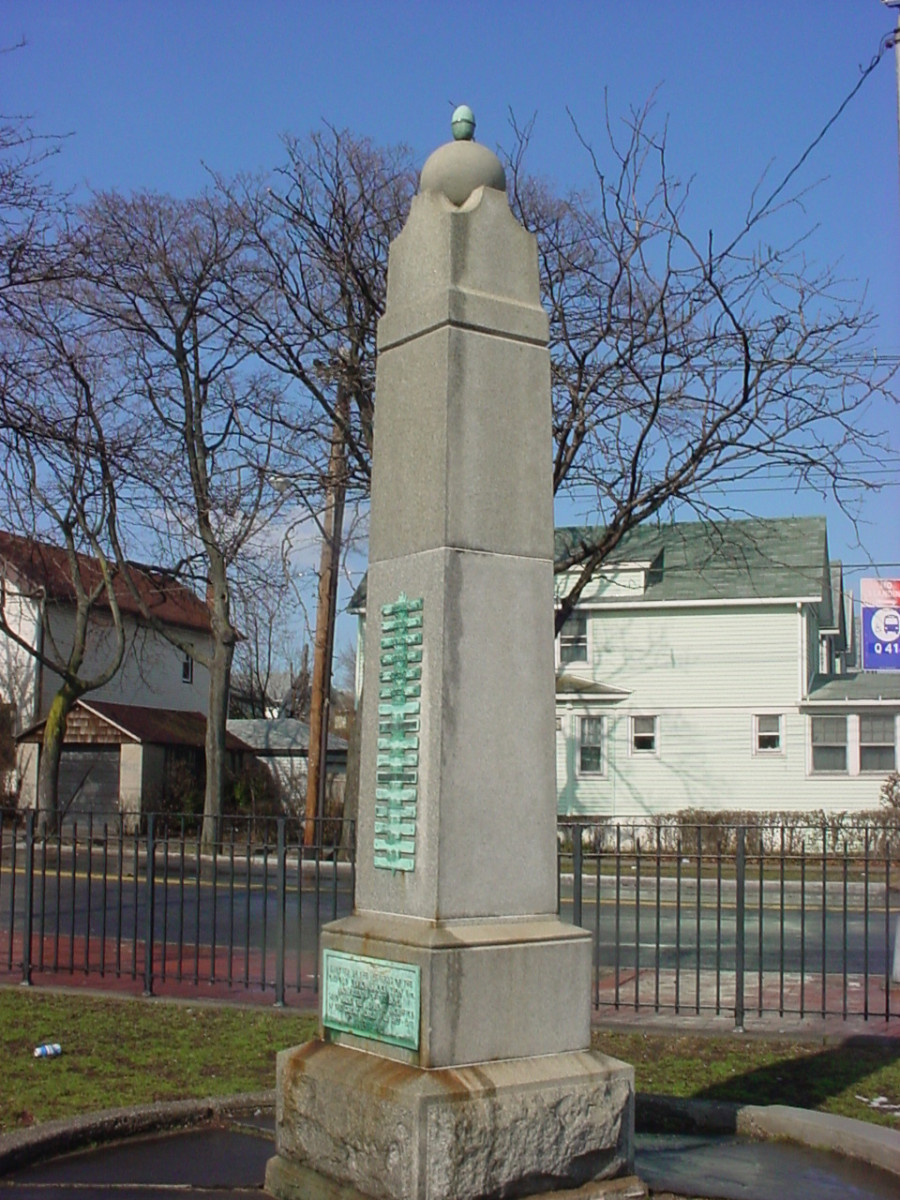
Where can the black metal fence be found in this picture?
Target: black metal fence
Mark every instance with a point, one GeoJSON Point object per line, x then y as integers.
{"type": "Point", "coordinates": [737, 921]}
{"type": "Point", "coordinates": [145, 904]}
{"type": "Point", "coordinates": [691, 920]}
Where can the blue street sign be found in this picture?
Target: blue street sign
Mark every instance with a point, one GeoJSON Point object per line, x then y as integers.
{"type": "Point", "coordinates": [881, 639]}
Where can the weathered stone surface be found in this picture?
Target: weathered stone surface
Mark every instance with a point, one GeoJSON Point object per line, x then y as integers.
{"type": "Point", "coordinates": [486, 823]}
{"type": "Point", "coordinates": [456, 839]}
{"type": "Point", "coordinates": [457, 168]}
{"type": "Point", "coordinates": [392, 1132]}
{"type": "Point", "coordinates": [470, 973]}
{"type": "Point", "coordinates": [474, 266]}
{"type": "Point", "coordinates": [475, 464]}
{"type": "Point", "coordinates": [291, 1181]}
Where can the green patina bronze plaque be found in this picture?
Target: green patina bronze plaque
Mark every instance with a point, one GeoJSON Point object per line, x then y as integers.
{"type": "Point", "coordinates": [399, 707]}
{"type": "Point", "coordinates": [371, 997]}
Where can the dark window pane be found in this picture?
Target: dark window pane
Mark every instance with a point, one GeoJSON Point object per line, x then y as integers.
{"type": "Point", "coordinates": [768, 731]}
{"type": "Point", "coordinates": [643, 733]}
{"type": "Point", "coordinates": [591, 753]}
{"type": "Point", "coordinates": [591, 759]}
{"type": "Point", "coordinates": [876, 758]}
{"type": "Point", "coordinates": [591, 731]}
{"type": "Point", "coordinates": [829, 758]}
{"type": "Point", "coordinates": [829, 731]}
{"type": "Point", "coordinates": [876, 730]}
{"type": "Point", "coordinates": [573, 639]}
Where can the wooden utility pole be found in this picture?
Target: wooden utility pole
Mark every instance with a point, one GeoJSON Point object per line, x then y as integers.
{"type": "Point", "coordinates": [326, 609]}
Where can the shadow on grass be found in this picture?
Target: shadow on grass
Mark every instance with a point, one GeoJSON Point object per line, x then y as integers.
{"type": "Point", "coordinates": [810, 1080]}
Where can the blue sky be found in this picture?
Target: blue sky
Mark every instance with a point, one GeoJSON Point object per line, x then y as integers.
{"type": "Point", "coordinates": [152, 92]}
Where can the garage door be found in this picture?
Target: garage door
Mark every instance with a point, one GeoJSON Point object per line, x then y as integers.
{"type": "Point", "coordinates": [89, 780]}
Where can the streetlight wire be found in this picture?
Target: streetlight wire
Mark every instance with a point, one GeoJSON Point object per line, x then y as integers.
{"type": "Point", "coordinates": [888, 41]}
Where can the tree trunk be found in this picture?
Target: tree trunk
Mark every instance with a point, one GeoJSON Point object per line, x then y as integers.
{"type": "Point", "coordinates": [351, 785]}
{"type": "Point", "coordinates": [51, 755]}
{"type": "Point", "coordinates": [332, 532]}
{"type": "Point", "coordinates": [219, 679]}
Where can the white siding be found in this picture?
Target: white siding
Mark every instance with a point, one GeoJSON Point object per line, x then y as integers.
{"type": "Point", "coordinates": [681, 658]}
{"type": "Point", "coordinates": [18, 668]}
{"type": "Point", "coordinates": [150, 673]}
{"type": "Point", "coordinates": [704, 674]}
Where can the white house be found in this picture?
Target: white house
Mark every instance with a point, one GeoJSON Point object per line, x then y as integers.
{"type": "Point", "coordinates": [710, 666]}
{"type": "Point", "coordinates": [38, 602]}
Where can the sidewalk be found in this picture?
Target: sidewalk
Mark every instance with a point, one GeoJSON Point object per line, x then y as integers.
{"type": "Point", "coordinates": [782, 999]}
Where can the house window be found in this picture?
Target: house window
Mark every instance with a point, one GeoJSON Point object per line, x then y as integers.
{"type": "Point", "coordinates": [876, 743]}
{"type": "Point", "coordinates": [643, 735]}
{"type": "Point", "coordinates": [187, 669]}
{"type": "Point", "coordinates": [768, 733]}
{"type": "Point", "coordinates": [573, 640]}
{"type": "Point", "coordinates": [829, 743]}
{"type": "Point", "coordinates": [590, 756]}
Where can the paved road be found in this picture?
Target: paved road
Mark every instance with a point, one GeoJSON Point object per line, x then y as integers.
{"type": "Point", "coordinates": [222, 924]}
{"type": "Point", "coordinates": [855, 942]}
{"type": "Point", "coordinates": [241, 910]}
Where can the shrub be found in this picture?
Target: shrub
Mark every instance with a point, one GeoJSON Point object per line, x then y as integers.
{"type": "Point", "coordinates": [890, 792]}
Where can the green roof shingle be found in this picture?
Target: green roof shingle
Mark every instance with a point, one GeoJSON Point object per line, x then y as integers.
{"type": "Point", "coordinates": [783, 558]}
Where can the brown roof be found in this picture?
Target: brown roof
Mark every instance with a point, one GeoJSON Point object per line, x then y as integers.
{"type": "Point", "coordinates": [149, 726]}
{"type": "Point", "coordinates": [47, 567]}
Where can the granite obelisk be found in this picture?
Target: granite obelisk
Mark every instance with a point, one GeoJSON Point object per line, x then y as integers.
{"type": "Point", "coordinates": [453, 1057]}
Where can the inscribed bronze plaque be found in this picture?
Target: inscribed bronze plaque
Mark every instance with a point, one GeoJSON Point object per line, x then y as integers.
{"type": "Point", "coordinates": [397, 763]}
{"type": "Point", "coordinates": [371, 997]}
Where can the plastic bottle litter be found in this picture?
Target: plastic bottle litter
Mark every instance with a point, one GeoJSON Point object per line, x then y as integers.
{"type": "Point", "coordinates": [48, 1050]}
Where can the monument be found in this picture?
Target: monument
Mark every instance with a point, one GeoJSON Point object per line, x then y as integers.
{"type": "Point", "coordinates": [453, 1058]}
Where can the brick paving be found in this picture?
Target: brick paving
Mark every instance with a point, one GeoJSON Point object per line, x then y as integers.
{"type": "Point", "coordinates": [790, 1003]}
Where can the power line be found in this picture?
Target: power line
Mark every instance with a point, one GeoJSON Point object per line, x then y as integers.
{"type": "Point", "coordinates": [733, 490]}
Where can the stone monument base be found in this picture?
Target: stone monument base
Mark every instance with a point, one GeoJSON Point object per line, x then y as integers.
{"type": "Point", "coordinates": [354, 1124]}
{"type": "Point", "coordinates": [490, 988]}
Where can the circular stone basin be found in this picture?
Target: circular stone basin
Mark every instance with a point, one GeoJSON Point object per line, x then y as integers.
{"type": "Point", "coordinates": [734, 1168]}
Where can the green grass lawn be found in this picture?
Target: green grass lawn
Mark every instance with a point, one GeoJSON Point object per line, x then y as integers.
{"type": "Point", "coordinates": [127, 1050]}
{"type": "Point", "coordinates": [830, 1077]}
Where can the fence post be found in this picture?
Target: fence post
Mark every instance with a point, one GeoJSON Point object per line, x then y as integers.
{"type": "Point", "coordinates": [576, 874]}
{"type": "Point", "coordinates": [280, 908]}
{"type": "Point", "coordinates": [150, 914]}
{"type": "Point", "coordinates": [28, 924]}
{"type": "Point", "coordinates": [740, 879]}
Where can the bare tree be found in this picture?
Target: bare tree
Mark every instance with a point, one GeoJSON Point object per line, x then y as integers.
{"type": "Point", "coordinates": [169, 281]}
{"type": "Point", "coordinates": [58, 480]}
{"type": "Point", "coordinates": [323, 235]}
{"type": "Point", "coordinates": [58, 484]}
{"type": "Point", "coordinates": [263, 666]}
{"type": "Point", "coordinates": [684, 368]}
{"type": "Point", "coordinates": [323, 232]}
{"type": "Point", "coordinates": [31, 210]}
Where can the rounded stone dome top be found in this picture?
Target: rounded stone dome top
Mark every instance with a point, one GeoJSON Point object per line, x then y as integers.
{"type": "Point", "coordinates": [457, 168]}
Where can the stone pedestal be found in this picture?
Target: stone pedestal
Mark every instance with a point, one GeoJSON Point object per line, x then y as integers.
{"type": "Point", "coordinates": [378, 1129]}
{"type": "Point", "coordinates": [488, 989]}
{"type": "Point", "coordinates": [453, 1055]}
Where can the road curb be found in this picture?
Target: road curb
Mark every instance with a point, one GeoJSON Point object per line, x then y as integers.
{"type": "Point", "coordinates": [877, 1145]}
{"type": "Point", "coordinates": [24, 1146]}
